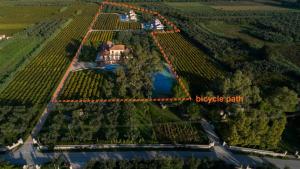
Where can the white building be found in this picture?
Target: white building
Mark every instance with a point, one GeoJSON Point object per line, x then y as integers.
{"type": "Point", "coordinates": [2, 37]}
{"type": "Point", "coordinates": [158, 25]}
{"type": "Point", "coordinates": [132, 15]}
{"type": "Point", "coordinates": [110, 53]}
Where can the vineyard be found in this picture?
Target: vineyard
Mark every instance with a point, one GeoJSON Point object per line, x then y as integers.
{"type": "Point", "coordinates": [129, 25]}
{"type": "Point", "coordinates": [188, 60]}
{"type": "Point", "coordinates": [108, 21]}
{"type": "Point", "coordinates": [184, 132]}
{"type": "Point", "coordinates": [101, 36]}
{"type": "Point", "coordinates": [32, 86]}
{"type": "Point", "coordinates": [83, 85]}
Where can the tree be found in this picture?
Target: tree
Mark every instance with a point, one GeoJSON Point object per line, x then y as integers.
{"type": "Point", "coordinates": [193, 162]}
{"type": "Point", "coordinates": [269, 53]}
{"type": "Point", "coordinates": [193, 110]}
{"type": "Point", "coordinates": [107, 87]}
{"type": "Point", "coordinates": [241, 85]}
{"type": "Point", "coordinates": [256, 127]}
{"type": "Point", "coordinates": [121, 82]}
{"type": "Point", "coordinates": [255, 123]}
{"type": "Point", "coordinates": [284, 100]}
{"type": "Point", "coordinates": [178, 91]}
{"type": "Point", "coordinates": [59, 162]}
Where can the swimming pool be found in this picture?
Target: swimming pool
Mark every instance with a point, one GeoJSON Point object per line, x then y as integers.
{"type": "Point", "coordinates": [163, 83]}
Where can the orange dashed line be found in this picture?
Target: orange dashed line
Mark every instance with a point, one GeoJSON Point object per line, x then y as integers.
{"type": "Point", "coordinates": [124, 100]}
{"type": "Point", "coordinates": [154, 33]}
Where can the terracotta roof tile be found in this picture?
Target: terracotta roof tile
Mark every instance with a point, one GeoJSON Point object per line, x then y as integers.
{"type": "Point", "coordinates": [118, 47]}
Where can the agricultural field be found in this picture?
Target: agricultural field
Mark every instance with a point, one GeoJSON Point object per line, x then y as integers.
{"type": "Point", "coordinates": [293, 53]}
{"type": "Point", "coordinates": [107, 21]}
{"type": "Point", "coordinates": [46, 67]}
{"type": "Point", "coordinates": [189, 6]}
{"type": "Point", "coordinates": [190, 62]}
{"type": "Point", "coordinates": [84, 85]}
{"type": "Point", "coordinates": [32, 86]}
{"type": "Point", "coordinates": [287, 54]}
{"type": "Point", "coordinates": [237, 6]}
{"type": "Point", "coordinates": [227, 30]}
{"type": "Point", "coordinates": [182, 132]}
{"type": "Point", "coordinates": [27, 43]}
{"type": "Point", "coordinates": [249, 6]}
{"type": "Point", "coordinates": [12, 22]}
{"type": "Point", "coordinates": [99, 36]}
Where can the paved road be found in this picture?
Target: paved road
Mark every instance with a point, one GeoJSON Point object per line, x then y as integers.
{"type": "Point", "coordinates": [37, 128]}
{"type": "Point", "coordinates": [221, 152]}
{"type": "Point", "coordinates": [29, 155]}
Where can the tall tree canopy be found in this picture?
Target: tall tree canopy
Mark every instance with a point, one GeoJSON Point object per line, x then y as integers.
{"type": "Point", "coordinates": [241, 85]}
{"type": "Point", "coordinates": [284, 99]}
{"type": "Point", "coordinates": [257, 122]}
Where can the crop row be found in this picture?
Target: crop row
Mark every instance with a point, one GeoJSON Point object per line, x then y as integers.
{"type": "Point", "coordinates": [112, 22]}
{"type": "Point", "coordinates": [35, 82]}
{"type": "Point", "coordinates": [179, 133]}
{"type": "Point", "coordinates": [100, 36]}
{"type": "Point", "coordinates": [129, 25]}
{"type": "Point", "coordinates": [188, 60]}
{"type": "Point", "coordinates": [82, 84]}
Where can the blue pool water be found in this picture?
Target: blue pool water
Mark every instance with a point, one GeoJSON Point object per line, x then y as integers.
{"type": "Point", "coordinates": [111, 67]}
{"type": "Point", "coordinates": [124, 18]}
{"type": "Point", "coordinates": [163, 83]}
